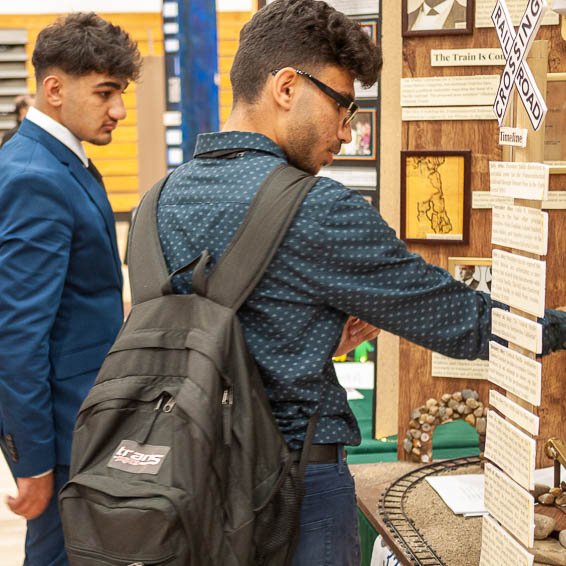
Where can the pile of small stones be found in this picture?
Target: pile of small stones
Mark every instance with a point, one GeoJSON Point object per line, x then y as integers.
{"type": "Point", "coordinates": [550, 495]}
{"type": "Point", "coordinates": [464, 405]}
{"type": "Point", "coordinates": [550, 544]}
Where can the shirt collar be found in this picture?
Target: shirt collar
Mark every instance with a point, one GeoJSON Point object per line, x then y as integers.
{"type": "Point", "coordinates": [237, 140]}
{"type": "Point", "coordinates": [441, 8]}
{"type": "Point", "coordinates": [59, 132]}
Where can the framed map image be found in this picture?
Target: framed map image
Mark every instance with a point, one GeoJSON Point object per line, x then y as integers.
{"type": "Point", "coordinates": [555, 125]}
{"type": "Point", "coordinates": [435, 196]}
{"type": "Point", "coordinates": [437, 17]}
{"type": "Point", "coordinates": [362, 147]}
{"type": "Point", "coordinates": [475, 272]}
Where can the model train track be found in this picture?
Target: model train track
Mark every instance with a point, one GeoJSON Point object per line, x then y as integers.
{"type": "Point", "coordinates": [391, 508]}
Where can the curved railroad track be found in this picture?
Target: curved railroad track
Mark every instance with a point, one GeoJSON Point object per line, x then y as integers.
{"type": "Point", "coordinates": [402, 528]}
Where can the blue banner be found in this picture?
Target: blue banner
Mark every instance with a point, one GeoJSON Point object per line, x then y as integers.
{"type": "Point", "coordinates": [199, 70]}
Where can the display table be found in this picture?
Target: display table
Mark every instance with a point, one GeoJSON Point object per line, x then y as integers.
{"type": "Point", "coordinates": [414, 522]}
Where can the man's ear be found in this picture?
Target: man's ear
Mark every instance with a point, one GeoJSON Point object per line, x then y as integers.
{"type": "Point", "coordinates": [284, 87]}
{"type": "Point", "coordinates": [53, 90]}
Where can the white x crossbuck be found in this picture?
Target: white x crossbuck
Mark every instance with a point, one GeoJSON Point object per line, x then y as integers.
{"type": "Point", "coordinates": [516, 46]}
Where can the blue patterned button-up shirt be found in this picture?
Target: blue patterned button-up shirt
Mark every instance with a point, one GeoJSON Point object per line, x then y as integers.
{"type": "Point", "coordinates": [338, 258]}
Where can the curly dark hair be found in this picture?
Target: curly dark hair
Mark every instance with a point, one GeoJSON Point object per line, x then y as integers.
{"type": "Point", "coordinates": [300, 33]}
{"type": "Point", "coordinates": [81, 43]}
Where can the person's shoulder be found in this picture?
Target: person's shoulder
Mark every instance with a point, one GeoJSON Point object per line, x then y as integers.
{"type": "Point", "coordinates": [25, 156]}
{"type": "Point", "coordinates": [8, 135]}
{"type": "Point", "coordinates": [28, 170]}
{"type": "Point", "coordinates": [328, 188]}
{"type": "Point", "coordinates": [329, 198]}
{"type": "Point", "coordinates": [332, 192]}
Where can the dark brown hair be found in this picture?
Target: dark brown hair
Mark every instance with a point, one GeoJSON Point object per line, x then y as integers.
{"type": "Point", "coordinates": [300, 33]}
{"type": "Point", "coordinates": [81, 43]}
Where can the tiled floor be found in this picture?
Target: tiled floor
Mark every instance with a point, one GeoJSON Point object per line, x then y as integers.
{"type": "Point", "coordinates": [12, 527]}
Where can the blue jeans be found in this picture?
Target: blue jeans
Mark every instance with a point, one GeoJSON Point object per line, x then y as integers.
{"type": "Point", "coordinates": [45, 545]}
{"type": "Point", "coordinates": [329, 519]}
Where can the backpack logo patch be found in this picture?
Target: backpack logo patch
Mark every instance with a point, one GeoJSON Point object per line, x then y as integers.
{"type": "Point", "coordinates": [138, 458]}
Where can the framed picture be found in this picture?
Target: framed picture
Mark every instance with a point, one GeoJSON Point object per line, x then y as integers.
{"type": "Point", "coordinates": [437, 17]}
{"type": "Point", "coordinates": [435, 196]}
{"type": "Point", "coordinates": [362, 148]}
{"type": "Point", "coordinates": [475, 272]}
{"type": "Point", "coordinates": [370, 27]}
{"type": "Point", "coordinates": [555, 126]}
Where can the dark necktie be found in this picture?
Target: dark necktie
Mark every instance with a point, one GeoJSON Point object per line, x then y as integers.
{"type": "Point", "coordinates": [432, 12]}
{"type": "Point", "coordinates": [95, 173]}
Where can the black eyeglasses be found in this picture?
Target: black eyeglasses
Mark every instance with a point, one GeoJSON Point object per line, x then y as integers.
{"type": "Point", "coordinates": [350, 106]}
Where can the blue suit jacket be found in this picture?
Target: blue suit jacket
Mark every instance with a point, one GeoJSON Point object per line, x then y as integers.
{"type": "Point", "coordinates": [60, 295]}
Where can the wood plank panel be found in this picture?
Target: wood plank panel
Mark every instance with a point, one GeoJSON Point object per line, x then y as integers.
{"type": "Point", "coordinates": [481, 137]}
{"type": "Point", "coordinates": [120, 167]}
{"type": "Point", "coordinates": [122, 184]}
{"type": "Point", "coordinates": [119, 151]}
{"type": "Point", "coordinates": [229, 25]}
{"type": "Point", "coordinates": [124, 202]}
{"type": "Point", "coordinates": [125, 134]}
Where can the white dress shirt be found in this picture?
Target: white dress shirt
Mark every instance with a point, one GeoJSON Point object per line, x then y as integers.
{"type": "Point", "coordinates": [426, 21]}
{"type": "Point", "coordinates": [58, 131]}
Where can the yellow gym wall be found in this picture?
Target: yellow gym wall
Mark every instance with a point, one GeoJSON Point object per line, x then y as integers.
{"type": "Point", "coordinates": [229, 25]}
{"type": "Point", "coordinates": [118, 162]}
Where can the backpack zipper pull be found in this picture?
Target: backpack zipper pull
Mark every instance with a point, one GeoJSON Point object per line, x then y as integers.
{"type": "Point", "coordinates": [159, 408]}
{"type": "Point", "coordinates": [168, 407]}
{"type": "Point", "coordinates": [159, 402]}
{"type": "Point", "coordinates": [227, 402]}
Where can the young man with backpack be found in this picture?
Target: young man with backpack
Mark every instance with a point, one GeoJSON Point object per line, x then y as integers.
{"type": "Point", "coordinates": [185, 451]}
{"type": "Point", "coordinates": [293, 83]}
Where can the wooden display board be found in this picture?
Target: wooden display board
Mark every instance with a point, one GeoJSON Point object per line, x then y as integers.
{"type": "Point", "coordinates": [480, 136]}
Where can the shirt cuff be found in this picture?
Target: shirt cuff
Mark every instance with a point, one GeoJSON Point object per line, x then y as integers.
{"type": "Point", "coordinates": [43, 474]}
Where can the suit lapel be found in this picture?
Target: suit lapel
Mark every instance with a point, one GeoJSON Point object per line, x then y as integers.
{"type": "Point", "coordinates": [89, 184]}
{"type": "Point", "coordinates": [98, 195]}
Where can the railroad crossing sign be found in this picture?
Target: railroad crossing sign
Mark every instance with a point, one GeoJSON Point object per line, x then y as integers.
{"type": "Point", "coordinates": [516, 46]}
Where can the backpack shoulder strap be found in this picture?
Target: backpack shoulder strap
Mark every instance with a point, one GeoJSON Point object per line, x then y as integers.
{"type": "Point", "coordinates": [146, 264]}
{"type": "Point", "coordinates": [258, 238]}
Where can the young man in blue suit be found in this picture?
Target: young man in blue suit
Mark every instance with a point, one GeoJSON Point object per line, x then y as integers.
{"type": "Point", "coordinates": [60, 281]}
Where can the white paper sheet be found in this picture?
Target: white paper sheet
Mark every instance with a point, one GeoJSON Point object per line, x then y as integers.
{"type": "Point", "coordinates": [463, 494]}
{"type": "Point", "coordinates": [355, 375]}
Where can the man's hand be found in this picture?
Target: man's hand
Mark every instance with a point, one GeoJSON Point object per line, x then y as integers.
{"type": "Point", "coordinates": [355, 332]}
{"type": "Point", "coordinates": [33, 496]}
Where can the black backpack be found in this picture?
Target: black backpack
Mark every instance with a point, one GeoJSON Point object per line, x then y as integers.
{"type": "Point", "coordinates": [177, 459]}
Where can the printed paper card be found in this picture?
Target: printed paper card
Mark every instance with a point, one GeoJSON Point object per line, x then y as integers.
{"type": "Point", "coordinates": [499, 548]}
{"type": "Point", "coordinates": [519, 282]}
{"type": "Point", "coordinates": [443, 366]}
{"type": "Point", "coordinates": [519, 180]}
{"type": "Point", "coordinates": [512, 450]}
{"type": "Point", "coordinates": [510, 504]}
{"type": "Point", "coordinates": [521, 228]}
{"type": "Point", "coordinates": [517, 329]}
{"type": "Point", "coordinates": [519, 415]}
{"type": "Point", "coordinates": [516, 373]}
